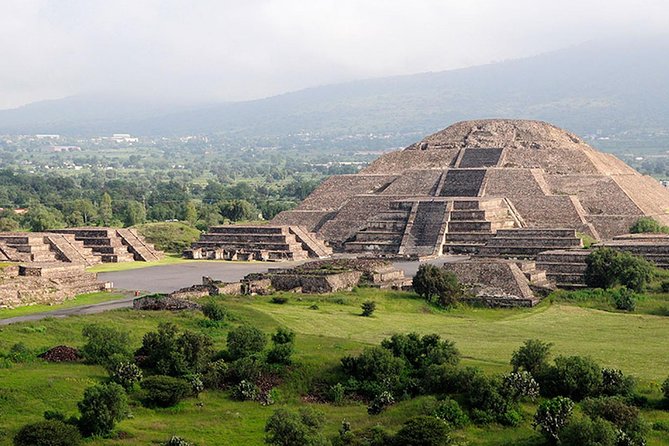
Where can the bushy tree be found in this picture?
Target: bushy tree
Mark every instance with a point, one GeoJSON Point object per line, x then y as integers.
{"type": "Point", "coordinates": [576, 377]}
{"type": "Point", "coordinates": [376, 370]}
{"type": "Point", "coordinates": [284, 342]}
{"type": "Point", "coordinates": [167, 352]}
{"type": "Point", "coordinates": [106, 213]}
{"type": "Point", "coordinates": [437, 285]}
{"type": "Point", "coordinates": [214, 311]}
{"type": "Point", "coordinates": [532, 356]}
{"type": "Point", "coordinates": [625, 417]}
{"type": "Point", "coordinates": [289, 428]}
{"type": "Point", "coordinates": [624, 299]}
{"type": "Point", "coordinates": [368, 308]}
{"type": "Point", "coordinates": [48, 433]}
{"type": "Point", "coordinates": [586, 431]}
{"type": "Point", "coordinates": [164, 391]}
{"type": "Point", "coordinates": [245, 340]}
{"type": "Point", "coordinates": [126, 374]}
{"type": "Point", "coordinates": [423, 431]}
{"type": "Point", "coordinates": [449, 411]}
{"type": "Point", "coordinates": [551, 416]}
{"type": "Point", "coordinates": [648, 225]}
{"type": "Point", "coordinates": [105, 345]}
{"type": "Point", "coordinates": [614, 382]}
{"type": "Point", "coordinates": [607, 267]}
{"type": "Point", "coordinates": [102, 407]}
{"type": "Point", "coordinates": [665, 389]}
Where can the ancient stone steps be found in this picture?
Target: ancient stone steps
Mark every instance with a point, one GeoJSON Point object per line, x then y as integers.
{"type": "Point", "coordinates": [136, 244]}
{"type": "Point", "coordinates": [315, 246]}
{"type": "Point", "coordinates": [71, 250]}
{"type": "Point", "coordinates": [528, 243]}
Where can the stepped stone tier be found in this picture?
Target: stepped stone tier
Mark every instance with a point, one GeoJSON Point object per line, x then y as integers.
{"type": "Point", "coordinates": [454, 190]}
{"type": "Point", "coordinates": [526, 243]}
{"type": "Point", "coordinates": [45, 283]}
{"type": "Point", "coordinates": [653, 247]}
{"type": "Point", "coordinates": [500, 283]}
{"type": "Point", "coordinates": [113, 244]}
{"type": "Point", "coordinates": [263, 242]}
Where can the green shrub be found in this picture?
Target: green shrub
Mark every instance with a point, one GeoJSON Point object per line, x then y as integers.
{"type": "Point", "coordinates": [648, 225]}
{"type": "Point", "coordinates": [587, 431]}
{"type": "Point", "coordinates": [607, 267]}
{"type": "Point", "coordinates": [47, 433]}
{"type": "Point", "coordinates": [20, 353]}
{"type": "Point", "coordinates": [664, 286]}
{"type": "Point", "coordinates": [280, 354]}
{"type": "Point", "coordinates": [437, 285]}
{"type": "Point", "coordinates": [288, 428]}
{"type": "Point", "coordinates": [215, 374]}
{"type": "Point", "coordinates": [167, 352]}
{"type": "Point", "coordinates": [247, 368]}
{"type": "Point", "coordinates": [380, 402]}
{"type": "Point", "coordinates": [126, 374]}
{"type": "Point", "coordinates": [102, 407]}
{"type": "Point", "coordinates": [615, 410]}
{"type": "Point", "coordinates": [246, 391]}
{"type": "Point", "coordinates": [450, 412]}
{"type": "Point", "coordinates": [214, 311]}
{"type": "Point", "coordinates": [665, 389]}
{"type": "Point", "coordinates": [245, 340]}
{"type": "Point", "coordinates": [575, 377]}
{"type": "Point", "coordinates": [551, 416]}
{"type": "Point", "coordinates": [283, 336]}
{"type": "Point", "coordinates": [337, 394]}
{"type": "Point", "coordinates": [105, 345]}
{"type": "Point", "coordinates": [532, 356]}
{"type": "Point", "coordinates": [279, 300]}
{"type": "Point", "coordinates": [164, 391]}
{"type": "Point", "coordinates": [422, 352]}
{"type": "Point", "coordinates": [423, 431]}
{"type": "Point", "coordinates": [519, 385]}
{"type": "Point", "coordinates": [614, 382]}
{"type": "Point", "coordinates": [376, 370]}
{"type": "Point", "coordinates": [368, 308]}
{"type": "Point", "coordinates": [624, 299]}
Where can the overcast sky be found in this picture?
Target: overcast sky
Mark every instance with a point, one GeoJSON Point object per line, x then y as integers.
{"type": "Point", "coordinates": [213, 50]}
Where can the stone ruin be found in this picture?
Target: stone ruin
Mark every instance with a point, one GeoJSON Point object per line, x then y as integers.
{"type": "Point", "coordinates": [49, 267]}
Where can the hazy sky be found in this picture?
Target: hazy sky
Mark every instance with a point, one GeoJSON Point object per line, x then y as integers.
{"type": "Point", "coordinates": [212, 50]}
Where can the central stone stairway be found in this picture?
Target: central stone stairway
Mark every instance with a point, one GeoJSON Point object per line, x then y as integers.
{"type": "Point", "coordinates": [384, 232]}
{"type": "Point", "coordinates": [104, 242]}
{"type": "Point", "coordinates": [475, 221]}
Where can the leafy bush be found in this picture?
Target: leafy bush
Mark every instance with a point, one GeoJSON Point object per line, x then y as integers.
{"type": "Point", "coordinates": [47, 433]}
{"type": "Point", "coordinates": [380, 402]}
{"type": "Point", "coordinates": [20, 353]}
{"type": "Point", "coordinates": [102, 407]}
{"type": "Point", "coordinates": [489, 399]}
{"type": "Point", "coordinates": [368, 308]}
{"type": "Point", "coordinates": [105, 345]}
{"type": "Point", "coordinates": [519, 385]}
{"type": "Point", "coordinates": [126, 374]}
{"type": "Point", "coordinates": [280, 354]}
{"type": "Point", "coordinates": [177, 441]}
{"type": "Point", "coordinates": [164, 391]}
{"type": "Point", "coordinates": [421, 352]}
{"type": "Point", "coordinates": [166, 352]}
{"type": "Point", "coordinates": [248, 368]}
{"type": "Point", "coordinates": [437, 285]}
{"type": "Point", "coordinates": [665, 389]}
{"type": "Point", "coordinates": [576, 377]}
{"type": "Point", "coordinates": [624, 299]}
{"type": "Point", "coordinates": [607, 267]}
{"type": "Point", "coordinates": [245, 340]}
{"type": "Point", "coordinates": [215, 374]}
{"type": "Point", "coordinates": [648, 225]}
{"type": "Point", "coordinates": [532, 356]}
{"type": "Point", "coordinates": [664, 286]}
{"type": "Point", "coordinates": [615, 410]}
{"type": "Point", "coordinates": [336, 394]}
{"type": "Point", "coordinates": [614, 382]}
{"type": "Point", "coordinates": [246, 391]}
{"type": "Point", "coordinates": [214, 311]}
{"type": "Point", "coordinates": [551, 416]}
{"type": "Point", "coordinates": [587, 431]}
{"type": "Point", "coordinates": [288, 428]}
{"type": "Point", "coordinates": [376, 370]}
{"type": "Point", "coordinates": [451, 413]}
{"type": "Point", "coordinates": [423, 431]}
{"type": "Point", "coordinates": [279, 300]}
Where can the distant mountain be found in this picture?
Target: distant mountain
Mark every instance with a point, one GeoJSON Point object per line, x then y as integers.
{"type": "Point", "coordinates": [600, 86]}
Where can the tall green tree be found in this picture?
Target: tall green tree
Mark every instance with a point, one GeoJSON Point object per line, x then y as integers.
{"type": "Point", "coordinates": [106, 212]}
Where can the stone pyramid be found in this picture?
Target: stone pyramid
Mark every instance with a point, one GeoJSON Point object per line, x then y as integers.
{"type": "Point", "coordinates": [462, 184]}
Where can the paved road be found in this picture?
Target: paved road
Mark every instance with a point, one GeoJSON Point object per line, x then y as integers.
{"type": "Point", "coordinates": [167, 278]}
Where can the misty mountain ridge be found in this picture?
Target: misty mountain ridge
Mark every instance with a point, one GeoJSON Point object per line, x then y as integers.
{"type": "Point", "coordinates": [590, 88]}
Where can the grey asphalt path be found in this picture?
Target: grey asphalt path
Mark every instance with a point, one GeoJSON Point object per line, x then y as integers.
{"type": "Point", "coordinates": [167, 278]}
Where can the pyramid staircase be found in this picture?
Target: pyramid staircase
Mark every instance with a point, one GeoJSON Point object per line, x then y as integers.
{"type": "Point", "coordinates": [272, 243]}
{"type": "Point", "coordinates": [384, 232]}
{"type": "Point", "coordinates": [141, 250]}
{"type": "Point", "coordinates": [106, 245]}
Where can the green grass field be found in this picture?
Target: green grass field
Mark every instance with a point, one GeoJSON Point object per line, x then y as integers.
{"type": "Point", "coordinates": [82, 299]}
{"type": "Point", "coordinates": [636, 343]}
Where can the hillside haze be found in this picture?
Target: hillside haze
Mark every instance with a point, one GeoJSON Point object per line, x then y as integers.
{"type": "Point", "coordinates": [608, 87]}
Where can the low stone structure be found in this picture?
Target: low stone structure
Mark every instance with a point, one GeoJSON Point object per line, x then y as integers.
{"type": "Point", "coordinates": [162, 302]}
{"type": "Point", "coordinates": [264, 242]}
{"type": "Point", "coordinates": [114, 244]}
{"type": "Point", "coordinates": [45, 283]}
{"type": "Point", "coordinates": [527, 243]}
{"type": "Point", "coordinates": [499, 283]}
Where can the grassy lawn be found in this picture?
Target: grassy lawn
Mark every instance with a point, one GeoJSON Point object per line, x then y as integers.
{"type": "Point", "coordinates": [82, 299]}
{"type": "Point", "coordinates": [169, 259]}
{"type": "Point", "coordinates": [633, 342]}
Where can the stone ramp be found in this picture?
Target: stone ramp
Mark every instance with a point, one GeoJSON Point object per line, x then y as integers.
{"type": "Point", "coordinates": [71, 250]}
{"type": "Point", "coordinates": [462, 183]}
{"type": "Point", "coordinates": [136, 244]}
{"type": "Point", "coordinates": [480, 157]}
{"type": "Point", "coordinates": [310, 242]}
{"type": "Point", "coordinates": [425, 230]}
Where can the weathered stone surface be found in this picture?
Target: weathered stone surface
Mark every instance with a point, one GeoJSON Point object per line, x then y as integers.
{"type": "Point", "coordinates": [542, 177]}
{"type": "Point", "coordinates": [163, 302]}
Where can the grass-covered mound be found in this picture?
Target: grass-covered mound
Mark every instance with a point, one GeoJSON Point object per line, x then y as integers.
{"type": "Point", "coordinates": [169, 236]}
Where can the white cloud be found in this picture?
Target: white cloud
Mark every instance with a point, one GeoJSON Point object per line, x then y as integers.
{"type": "Point", "coordinates": [230, 50]}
